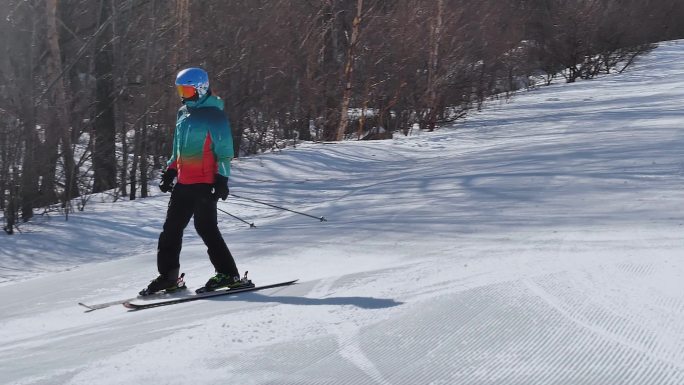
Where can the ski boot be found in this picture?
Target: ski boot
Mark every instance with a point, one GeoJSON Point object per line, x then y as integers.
{"type": "Point", "coordinates": [165, 284]}
{"type": "Point", "coordinates": [221, 281]}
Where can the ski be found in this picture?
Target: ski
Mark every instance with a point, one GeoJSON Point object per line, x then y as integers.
{"type": "Point", "coordinates": [98, 306]}
{"type": "Point", "coordinates": [161, 295]}
{"type": "Point", "coordinates": [166, 293]}
{"type": "Point", "coordinates": [194, 297]}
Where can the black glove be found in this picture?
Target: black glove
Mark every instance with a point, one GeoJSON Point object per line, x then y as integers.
{"type": "Point", "coordinates": [167, 178]}
{"type": "Point", "coordinates": [220, 187]}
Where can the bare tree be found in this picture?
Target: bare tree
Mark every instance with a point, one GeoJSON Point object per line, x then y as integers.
{"type": "Point", "coordinates": [20, 70]}
{"type": "Point", "coordinates": [58, 127]}
{"type": "Point", "coordinates": [433, 64]}
{"type": "Point", "coordinates": [104, 125]}
{"type": "Point", "coordinates": [349, 70]}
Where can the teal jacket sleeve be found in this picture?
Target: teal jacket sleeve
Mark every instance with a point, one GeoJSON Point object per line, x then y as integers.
{"type": "Point", "coordinates": [222, 143]}
{"type": "Point", "coordinates": [171, 163]}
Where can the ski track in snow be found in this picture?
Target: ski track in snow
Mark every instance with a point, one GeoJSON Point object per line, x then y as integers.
{"type": "Point", "coordinates": [538, 242]}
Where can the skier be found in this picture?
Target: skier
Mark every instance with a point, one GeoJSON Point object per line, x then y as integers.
{"type": "Point", "coordinates": [202, 151]}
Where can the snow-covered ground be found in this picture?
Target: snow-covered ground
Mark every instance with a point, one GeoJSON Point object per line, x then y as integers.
{"type": "Point", "coordinates": [540, 242]}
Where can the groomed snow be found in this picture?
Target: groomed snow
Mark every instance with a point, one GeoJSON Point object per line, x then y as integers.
{"type": "Point", "coordinates": [539, 242]}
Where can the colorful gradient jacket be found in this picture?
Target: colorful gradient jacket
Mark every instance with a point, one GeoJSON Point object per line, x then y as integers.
{"type": "Point", "coordinates": [202, 142]}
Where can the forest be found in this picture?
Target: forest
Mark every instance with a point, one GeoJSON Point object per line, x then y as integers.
{"type": "Point", "coordinates": [87, 99]}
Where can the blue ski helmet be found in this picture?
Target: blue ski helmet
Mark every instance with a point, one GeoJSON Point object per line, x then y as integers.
{"type": "Point", "coordinates": [192, 83]}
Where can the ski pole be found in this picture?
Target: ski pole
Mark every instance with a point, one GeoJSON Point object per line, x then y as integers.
{"type": "Point", "coordinates": [238, 218]}
{"type": "Point", "coordinates": [322, 219]}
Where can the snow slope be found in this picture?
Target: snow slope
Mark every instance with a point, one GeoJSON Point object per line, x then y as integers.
{"type": "Point", "coordinates": [540, 242]}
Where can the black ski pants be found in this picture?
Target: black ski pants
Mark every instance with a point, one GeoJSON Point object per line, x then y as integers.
{"type": "Point", "coordinates": [188, 200]}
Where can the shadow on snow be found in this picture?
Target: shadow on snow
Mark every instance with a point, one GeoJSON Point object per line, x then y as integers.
{"type": "Point", "coordinates": [360, 302]}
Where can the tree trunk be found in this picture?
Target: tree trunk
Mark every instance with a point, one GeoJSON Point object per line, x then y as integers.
{"type": "Point", "coordinates": [140, 150]}
{"type": "Point", "coordinates": [149, 67]}
{"type": "Point", "coordinates": [349, 71]}
{"type": "Point", "coordinates": [11, 210]}
{"type": "Point", "coordinates": [58, 126]}
{"type": "Point", "coordinates": [183, 32]}
{"type": "Point", "coordinates": [433, 66]}
{"type": "Point", "coordinates": [120, 22]}
{"type": "Point", "coordinates": [104, 125]}
{"type": "Point", "coordinates": [329, 63]}
{"type": "Point", "coordinates": [29, 192]}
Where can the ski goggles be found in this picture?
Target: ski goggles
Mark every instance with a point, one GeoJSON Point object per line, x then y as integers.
{"type": "Point", "coordinates": [186, 92]}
